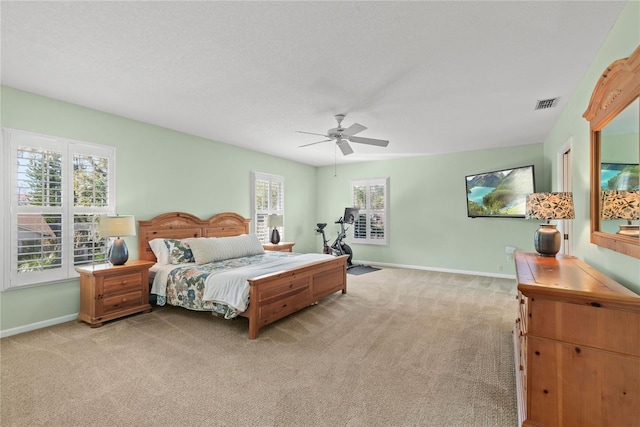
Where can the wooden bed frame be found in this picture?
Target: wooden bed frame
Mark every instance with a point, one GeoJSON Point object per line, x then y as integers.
{"type": "Point", "coordinates": [272, 296]}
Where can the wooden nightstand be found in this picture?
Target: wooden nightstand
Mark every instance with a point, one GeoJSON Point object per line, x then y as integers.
{"type": "Point", "coordinates": [108, 291]}
{"type": "Point", "coordinates": [281, 247]}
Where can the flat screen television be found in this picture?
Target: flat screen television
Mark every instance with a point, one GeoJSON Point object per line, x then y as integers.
{"type": "Point", "coordinates": [619, 176]}
{"type": "Point", "coordinates": [499, 194]}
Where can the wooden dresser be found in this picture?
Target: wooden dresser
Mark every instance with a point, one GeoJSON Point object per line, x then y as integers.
{"type": "Point", "coordinates": [577, 345]}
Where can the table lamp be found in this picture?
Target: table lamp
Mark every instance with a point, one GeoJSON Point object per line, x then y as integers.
{"type": "Point", "coordinates": [274, 222]}
{"type": "Point", "coordinates": [118, 226]}
{"type": "Point", "coordinates": [549, 206]}
{"type": "Point", "coordinates": [622, 204]}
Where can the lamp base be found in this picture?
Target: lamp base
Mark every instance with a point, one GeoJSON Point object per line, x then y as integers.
{"type": "Point", "coordinates": [629, 230]}
{"type": "Point", "coordinates": [275, 236]}
{"type": "Point", "coordinates": [547, 240]}
{"type": "Point", "coordinates": [118, 253]}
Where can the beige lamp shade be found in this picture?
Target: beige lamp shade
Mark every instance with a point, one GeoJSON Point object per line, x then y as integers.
{"type": "Point", "coordinates": [275, 221]}
{"type": "Point", "coordinates": [620, 204]}
{"type": "Point", "coordinates": [550, 206]}
{"type": "Point", "coordinates": [117, 226]}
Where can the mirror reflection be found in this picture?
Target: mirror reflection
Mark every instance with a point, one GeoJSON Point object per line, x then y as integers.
{"type": "Point", "coordinates": [619, 188]}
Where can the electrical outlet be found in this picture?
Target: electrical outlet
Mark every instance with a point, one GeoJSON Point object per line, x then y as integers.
{"type": "Point", "coordinates": [509, 257]}
{"type": "Point", "coordinates": [499, 267]}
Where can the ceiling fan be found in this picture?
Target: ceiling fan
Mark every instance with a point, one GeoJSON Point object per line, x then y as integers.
{"type": "Point", "coordinates": [342, 136]}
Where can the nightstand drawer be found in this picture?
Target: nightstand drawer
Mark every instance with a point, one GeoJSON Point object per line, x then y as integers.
{"type": "Point", "coordinates": [121, 302]}
{"type": "Point", "coordinates": [122, 283]}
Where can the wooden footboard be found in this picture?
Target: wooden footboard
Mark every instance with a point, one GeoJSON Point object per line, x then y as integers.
{"type": "Point", "coordinates": [276, 295]}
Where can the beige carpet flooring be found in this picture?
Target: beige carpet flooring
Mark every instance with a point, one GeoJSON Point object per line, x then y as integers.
{"type": "Point", "coordinates": [401, 348]}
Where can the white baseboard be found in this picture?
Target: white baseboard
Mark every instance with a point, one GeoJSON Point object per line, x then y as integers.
{"type": "Point", "coordinates": [442, 270]}
{"type": "Point", "coordinates": [37, 325]}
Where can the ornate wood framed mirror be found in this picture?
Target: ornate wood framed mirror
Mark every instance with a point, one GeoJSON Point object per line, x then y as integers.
{"type": "Point", "coordinates": [614, 116]}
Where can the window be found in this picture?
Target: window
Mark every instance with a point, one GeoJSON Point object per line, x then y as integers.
{"type": "Point", "coordinates": [267, 199]}
{"type": "Point", "coordinates": [371, 196]}
{"type": "Point", "coordinates": [57, 189]}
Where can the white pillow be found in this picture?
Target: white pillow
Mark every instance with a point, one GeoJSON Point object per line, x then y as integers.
{"type": "Point", "coordinates": [220, 248]}
{"type": "Point", "coordinates": [160, 250]}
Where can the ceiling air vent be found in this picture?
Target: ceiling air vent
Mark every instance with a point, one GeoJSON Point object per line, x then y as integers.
{"type": "Point", "coordinates": [543, 104]}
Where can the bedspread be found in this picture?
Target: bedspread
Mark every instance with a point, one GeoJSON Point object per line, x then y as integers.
{"type": "Point", "coordinates": [221, 286]}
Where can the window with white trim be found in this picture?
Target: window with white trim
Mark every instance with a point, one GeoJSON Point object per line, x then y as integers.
{"type": "Point", "coordinates": [267, 196]}
{"type": "Point", "coordinates": [371, 197]}
{"type": "Point", "coordinates": [57, 189]}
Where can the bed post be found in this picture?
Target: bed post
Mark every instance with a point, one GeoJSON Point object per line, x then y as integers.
{"type": "Point", "coordinates": [253, 312]}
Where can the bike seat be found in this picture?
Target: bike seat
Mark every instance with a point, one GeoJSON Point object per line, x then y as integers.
{"type": "Point", "coordinates": [321, 225]}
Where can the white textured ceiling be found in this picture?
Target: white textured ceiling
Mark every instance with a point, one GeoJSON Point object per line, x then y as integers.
{"type": "Point", "coordinates": [431, 77]}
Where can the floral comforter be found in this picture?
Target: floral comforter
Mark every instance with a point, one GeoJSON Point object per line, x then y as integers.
{"type": "Point", "coordinates": [221, 286]}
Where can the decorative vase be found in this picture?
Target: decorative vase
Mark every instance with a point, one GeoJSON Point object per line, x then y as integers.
{"type": "Point", "coordinates": [275, 236]}
{"type": "Point", "coordinates": [547, 240]}
{"type": "Point", "coordinates": [629, 230]}
{"type": "Point", "coordinates": [118, 254]}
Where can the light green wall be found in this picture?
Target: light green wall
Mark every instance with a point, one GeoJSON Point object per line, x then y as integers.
{"type": "Point", "coordinates": [619, 148]}
{"type": "Point", "coordinates": [158, 170]}
{"type": "Point", "coordinates": [622, 40]}
{"type": "Point", "coordinates": [429, 226]}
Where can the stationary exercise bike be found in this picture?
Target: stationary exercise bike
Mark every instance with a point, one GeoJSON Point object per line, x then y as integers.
{"type": "Point", "coordinates": [339, 247]}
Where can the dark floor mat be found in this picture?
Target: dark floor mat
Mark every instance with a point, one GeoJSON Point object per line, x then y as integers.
{"type": "Point", "coordinates": [357, 270]}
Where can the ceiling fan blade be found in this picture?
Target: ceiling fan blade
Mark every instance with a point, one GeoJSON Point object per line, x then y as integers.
{"type": "Point", "coordinates": [314, 143]}
{"type": "Point", "coordinates": [311, 133]}
{"type": "Point", "coordinates": [370, 141]}
{"type": "Point", "coordinates": [353, 129]}
{"type": "Point", "coordinates": [344, 147]}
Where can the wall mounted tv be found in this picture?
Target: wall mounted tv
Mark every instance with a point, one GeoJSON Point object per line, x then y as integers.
{"type": "Point", "coordinates": [499, 194]}
{"type": "Point", "coordinates": [619, 176]}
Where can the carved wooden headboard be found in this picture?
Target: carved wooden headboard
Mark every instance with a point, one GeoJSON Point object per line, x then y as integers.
{"type": "Point", "coordinates": [181, 225]}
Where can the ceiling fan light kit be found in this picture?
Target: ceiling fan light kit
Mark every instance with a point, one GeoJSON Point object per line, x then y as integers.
{"type": "Point", "coordinates": [342, 136]}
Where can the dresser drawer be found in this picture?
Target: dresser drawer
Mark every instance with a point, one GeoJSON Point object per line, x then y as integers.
{"type": "Point", "coordinates": [594, 326]}
{"type": "Point", "coordinates": [122, 283]}
{"type": "Point", "coordinates": [122, 301]}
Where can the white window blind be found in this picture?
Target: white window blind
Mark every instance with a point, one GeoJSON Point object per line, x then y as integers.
{"type": "Point", "coordinates": [57, 190]}
{"type": "Point", "coordinates": [371, 197]}
{"type": "Point", "coordinates": [267, 199]}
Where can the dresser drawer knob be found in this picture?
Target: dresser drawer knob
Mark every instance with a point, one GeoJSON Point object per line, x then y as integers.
{"type": "Point", "coordinates": [124, 282]}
